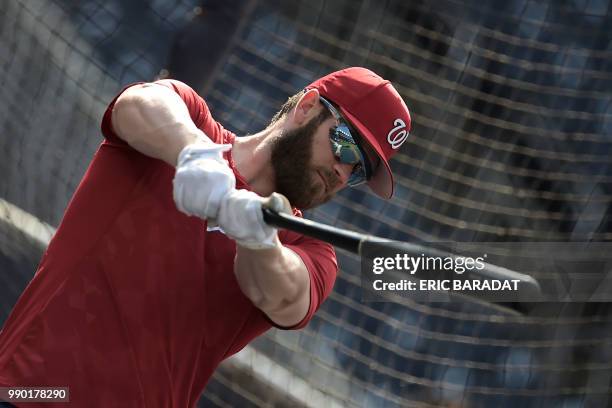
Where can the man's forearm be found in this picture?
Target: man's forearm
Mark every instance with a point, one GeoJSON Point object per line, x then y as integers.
{"type": "Point", "coordinates": [276, 280]}
{"type": "Point", "coordinates": [155, 121]}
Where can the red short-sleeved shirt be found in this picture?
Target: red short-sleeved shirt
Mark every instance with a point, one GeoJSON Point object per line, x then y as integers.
{"type": "Point", "coordinates": [134, 303]}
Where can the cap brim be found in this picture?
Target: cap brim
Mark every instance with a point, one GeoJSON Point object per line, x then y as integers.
{"type": "Point", "coordinates": [381, 182]}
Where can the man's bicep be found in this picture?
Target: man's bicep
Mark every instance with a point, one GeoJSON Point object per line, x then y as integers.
{"type": "Point", "coordinates": [108, 130]}
{"type": "Point", "coordinates": [196, 106]}
{"type": "Point", "coordinates": [319, 260]}
{"type": "Point", "coordinates": [290, 314]}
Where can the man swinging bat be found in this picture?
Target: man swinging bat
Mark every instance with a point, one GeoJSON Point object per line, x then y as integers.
{"type": "Point", "coordinates": [163, 265]}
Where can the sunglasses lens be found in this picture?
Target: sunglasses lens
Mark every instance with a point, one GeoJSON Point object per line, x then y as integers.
{"type": "Point", "coordinates": [346, 149]}
{"type": "Point", "coordinates": [347, 152]}
{"type": "Point", "coordinates": [357, 177]}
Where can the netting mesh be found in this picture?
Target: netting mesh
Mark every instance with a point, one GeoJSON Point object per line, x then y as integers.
{"type": "Point", "coordinates": [511, 141]}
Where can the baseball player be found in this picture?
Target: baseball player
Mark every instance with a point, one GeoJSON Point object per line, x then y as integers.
{"type": "Point", "coordinates": [162, 266]}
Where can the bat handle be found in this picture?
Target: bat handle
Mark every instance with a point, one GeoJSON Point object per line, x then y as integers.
{"type": "Point", "coordinates": [340, 238]}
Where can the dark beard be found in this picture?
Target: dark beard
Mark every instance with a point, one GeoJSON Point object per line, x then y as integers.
{"type": "Point", "coordinates": [292, 163]}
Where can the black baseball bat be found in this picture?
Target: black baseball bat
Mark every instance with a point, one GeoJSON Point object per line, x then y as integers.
{"type": "Point", "coordinates": [355, 242]}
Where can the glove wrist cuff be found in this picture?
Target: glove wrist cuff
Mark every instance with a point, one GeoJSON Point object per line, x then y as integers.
{"type": "Point", "coordinates": [198, 151]}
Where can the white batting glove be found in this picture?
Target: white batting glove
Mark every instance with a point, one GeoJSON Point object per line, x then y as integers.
{"type": "Point", "coordinates": [241, 218]}
{"type": "Point", "coordinates": [203, 179]}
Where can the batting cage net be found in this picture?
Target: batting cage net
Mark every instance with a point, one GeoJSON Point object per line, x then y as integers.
{"type": "Point", "coordinates": [512, 117]}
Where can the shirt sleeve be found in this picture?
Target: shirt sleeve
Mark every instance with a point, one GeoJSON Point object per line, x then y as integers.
{"type": "Point", "coordinates": [198, 109]}
{"type": "Point", "coordinates": [320, 260]}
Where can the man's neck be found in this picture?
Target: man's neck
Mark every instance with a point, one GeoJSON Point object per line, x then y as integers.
{"type": "Point", "coordinates": [252, 157]}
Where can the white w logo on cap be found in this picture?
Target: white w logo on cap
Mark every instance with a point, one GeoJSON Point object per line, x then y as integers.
{"type": "Point", "coordinates": [398, 134]}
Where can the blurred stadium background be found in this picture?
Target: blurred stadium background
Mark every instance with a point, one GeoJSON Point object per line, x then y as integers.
{"type": "Point", "coordinates": [511, 141]}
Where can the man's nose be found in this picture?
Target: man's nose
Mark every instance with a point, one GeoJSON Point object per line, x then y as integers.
{"type": "Point", "coordinates": [343, 171]}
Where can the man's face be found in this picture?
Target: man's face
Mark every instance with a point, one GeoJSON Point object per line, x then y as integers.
{"type": "Point", "coordinates": [306, 171]}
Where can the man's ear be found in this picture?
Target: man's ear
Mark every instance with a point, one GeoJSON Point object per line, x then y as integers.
{"type": "Point", "coordinates": [306, 107]}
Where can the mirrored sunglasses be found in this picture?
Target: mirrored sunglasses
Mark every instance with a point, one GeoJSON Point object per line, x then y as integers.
{"type": "Point", "coordinates": [346, 149]}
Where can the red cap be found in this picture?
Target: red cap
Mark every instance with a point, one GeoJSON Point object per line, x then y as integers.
{"type": "Point", "coordinates": [375, 109]}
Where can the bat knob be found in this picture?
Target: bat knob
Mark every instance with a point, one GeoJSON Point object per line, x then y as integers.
{"type": "Point", "coordinates": [278, 203]}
